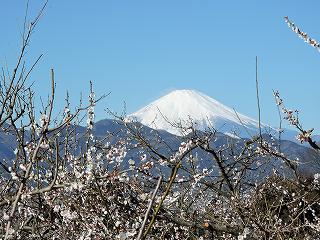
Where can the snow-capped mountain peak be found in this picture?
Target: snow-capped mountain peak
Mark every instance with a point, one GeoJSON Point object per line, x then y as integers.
{"type": "Point", "coordinates": [186, 106]}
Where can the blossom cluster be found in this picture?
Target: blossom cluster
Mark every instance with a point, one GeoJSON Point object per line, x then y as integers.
{"type": "Point", "coordinates": [302, 34]}
{"type": "Point", "coordinates": [292, 117]}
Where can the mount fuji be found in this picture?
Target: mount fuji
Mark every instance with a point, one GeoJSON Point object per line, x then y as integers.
{"type": "Point", "coordinates": [189, 107]}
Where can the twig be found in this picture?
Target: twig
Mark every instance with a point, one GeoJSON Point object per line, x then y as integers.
{"type": "Point", "coordinates": [149, 208]}
{"type": "Point", "coordinates": [280, 123]}
{"type": "Point", "coordinates": [172, 177]}
{"type": "Point", "coordinates": [302, 34]}
{"type": "Point", "coordinates": [258, 101]}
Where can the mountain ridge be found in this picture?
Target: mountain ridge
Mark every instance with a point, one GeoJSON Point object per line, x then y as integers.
{"type": "Point", "coordinates": [188, 107]}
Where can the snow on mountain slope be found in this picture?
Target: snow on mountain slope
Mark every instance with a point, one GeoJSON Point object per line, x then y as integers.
{"type": "Point", "coordinates": [184, 106]}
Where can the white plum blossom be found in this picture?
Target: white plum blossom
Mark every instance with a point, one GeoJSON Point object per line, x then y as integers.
{"type": "Point", "coordinates": [43, 119]}
{"type": "Point", "coordinates": [244, 234]}
{"type": "Point", "coordinates": [316, 179]}
{"type": "Point", "coordinates": [68, 215]}
{"type": "Point", "coordinates": [90, 119]}
{"type": "Point", "coordinates": [14, 176]}
{"type": "Point", "coordinates": [302, 34]}
{"type": "Point", "coordinates": [6, 216]}
{"type": "Point", "coordinates": [23, 167]}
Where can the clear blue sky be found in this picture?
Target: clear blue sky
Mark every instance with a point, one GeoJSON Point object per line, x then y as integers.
{"type": "Point", "coordinates": [140, 50]}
